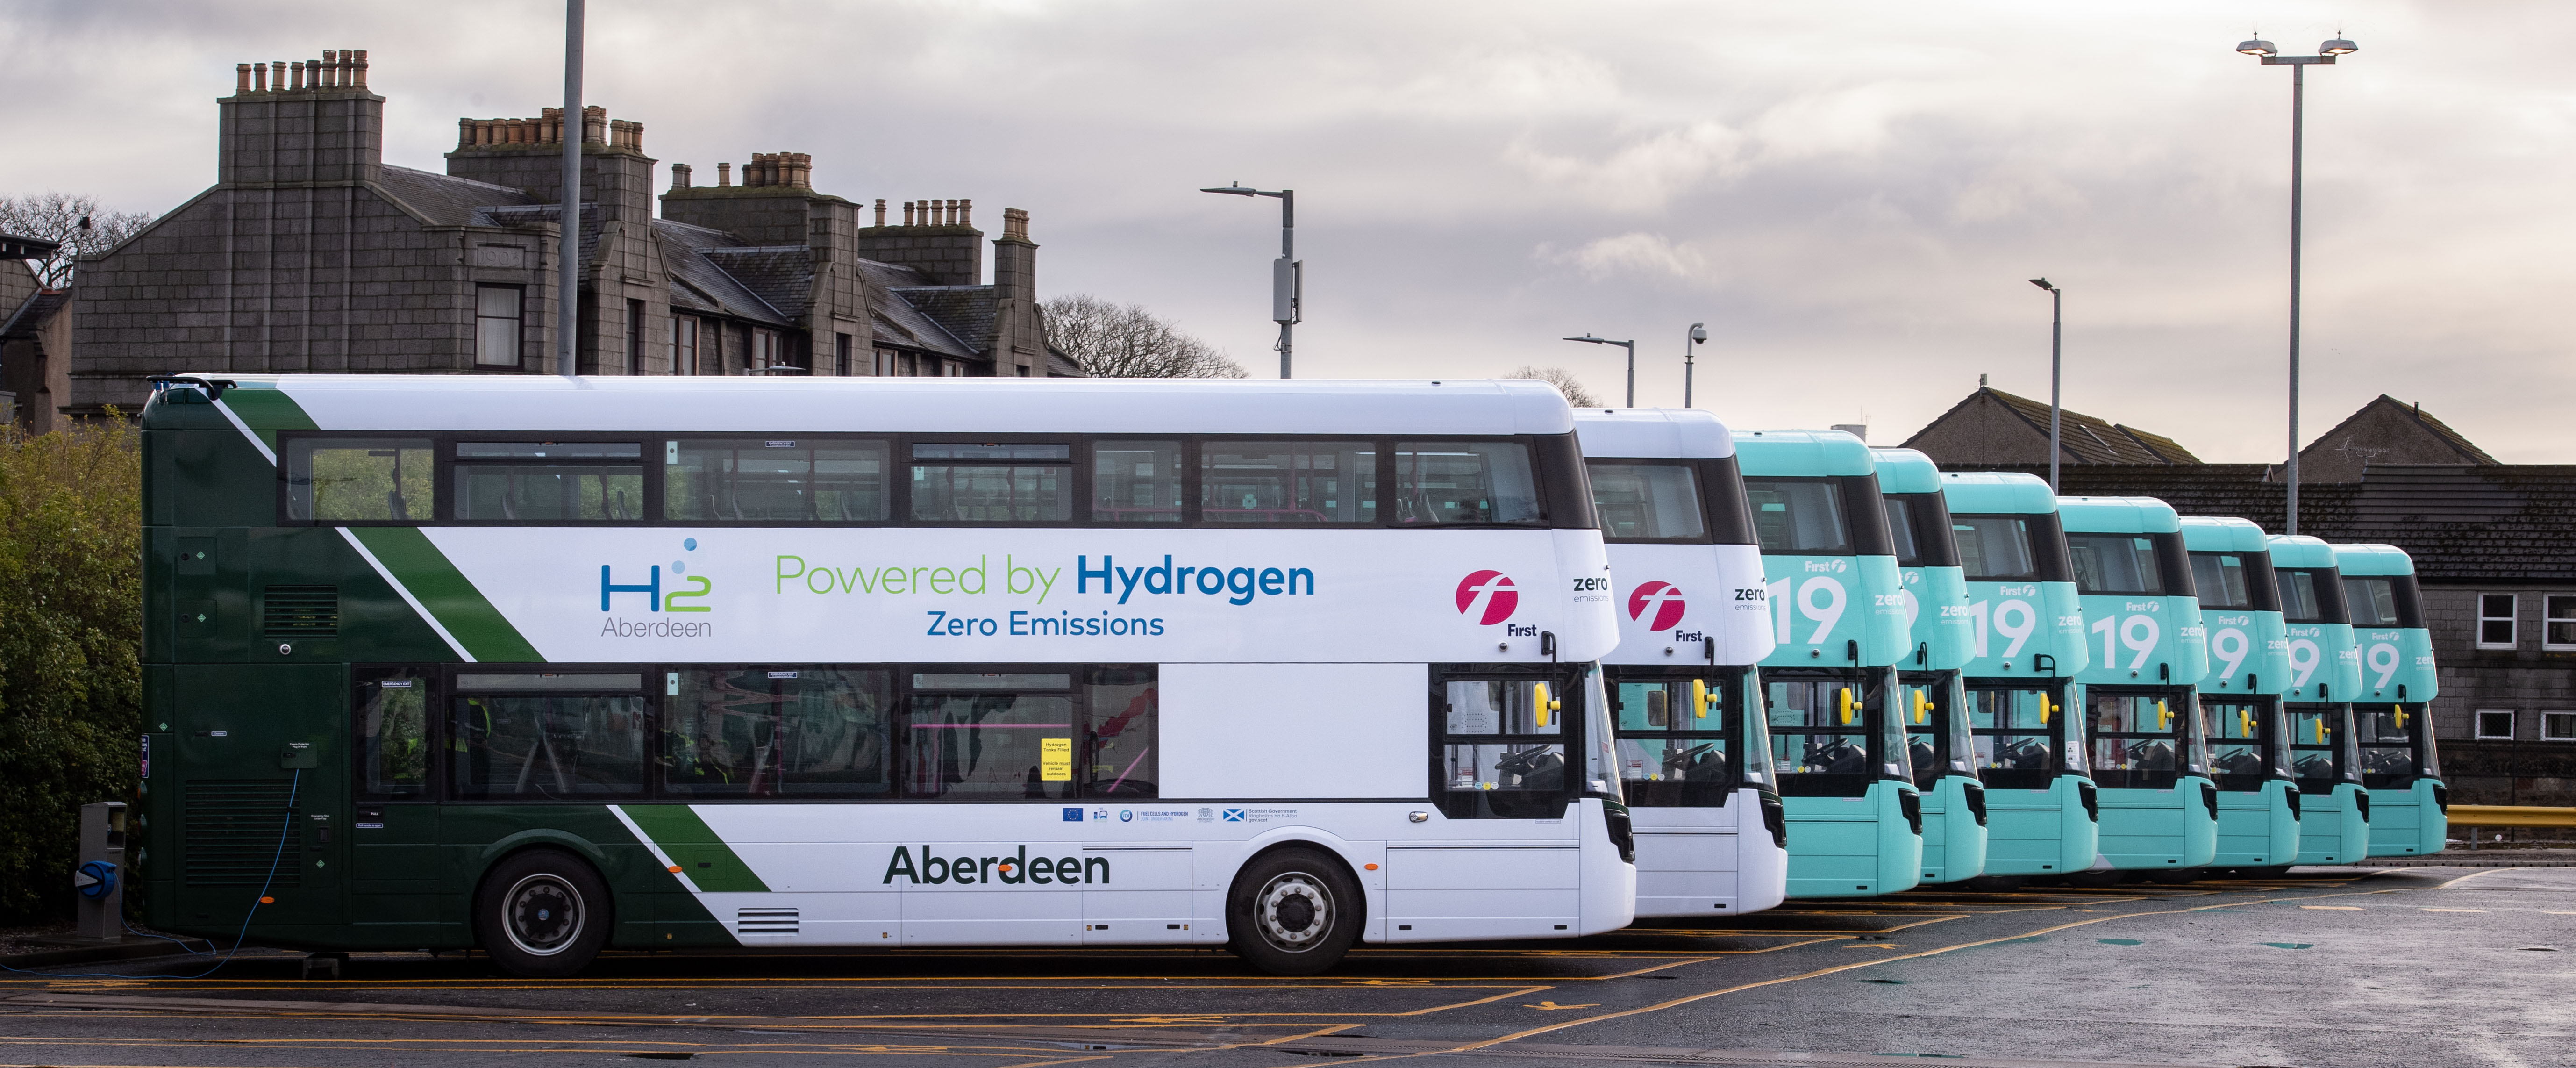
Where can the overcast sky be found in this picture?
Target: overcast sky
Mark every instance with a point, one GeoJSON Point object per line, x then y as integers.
{"type": "Point", "coordinates": [1851, 195]}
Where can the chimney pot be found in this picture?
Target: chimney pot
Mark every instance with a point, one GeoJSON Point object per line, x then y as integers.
{"type": "Point", "coordinates": [330, 66]}
{"type": "Point", "coordinates": [259, 77]}
{"type": "Point", "coordinates": [1015, 224]}
{"type": "Point", "coordinates": [952, 211]}
{"type": "Point", "coordinates": [679, 176]}
{"type": "Point", "coordinates": [298, 70]}
{"type": "Point", "coordinates": [362, 68]}
{"type": "Point", "coordinates": [965, 213]}
{"type": "Point", "coordinates": [724, 175]}
{"type": "Point", "coordinates": [907, 213]}
{"type": "Point", "coordinates": [880, 211]}
{"type": "Point", "coordinates": [241, 78]}
{"type": "Point", "coordinates": [464, 133]}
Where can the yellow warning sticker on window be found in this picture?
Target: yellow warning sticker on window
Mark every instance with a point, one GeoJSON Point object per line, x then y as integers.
{"type": "Point", "coordinates": [1055, 759]}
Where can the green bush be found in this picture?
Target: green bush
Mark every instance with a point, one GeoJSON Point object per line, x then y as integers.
{"type": "Point", "coordinates": [71, 631]}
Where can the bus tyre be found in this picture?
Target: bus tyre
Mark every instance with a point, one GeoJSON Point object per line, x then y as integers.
{"type": "Point", "coordinates": [1293, 912]}
{"type": "Point", "coordinates": [542, 914]}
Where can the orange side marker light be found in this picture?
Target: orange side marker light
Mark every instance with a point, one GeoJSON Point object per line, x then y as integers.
{"type": "Point", "coordinates": [268, 901]}
{"type": "Point", "coordinates": [1371, 867]}
{"type": "Point", "coordinates": [675, 869]}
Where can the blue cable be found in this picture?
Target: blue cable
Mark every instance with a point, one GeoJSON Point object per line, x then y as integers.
{"type": "Point", "coordinates": [293, 789]}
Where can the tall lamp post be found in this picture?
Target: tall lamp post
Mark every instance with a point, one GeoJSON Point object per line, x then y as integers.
{"type": "Point", "coordinates": [1698, 333]}
{"type": "Point", "coordinates": [2327, 53]}
{"type": "Point", "coordinates": [1287, 276]}
{"type": "Point", "coordinates": [2056, 336]}
{"type": "Point", "coordinates": [1631, 346]}
{"type": "Point", "coordinates": [568, 244]}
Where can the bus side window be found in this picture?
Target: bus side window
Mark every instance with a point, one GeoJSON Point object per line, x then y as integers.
{"type": "Point", "coordinates": [767, 732]}
{"type": "Point", "coordinates": [812, 480]}
{"type": "Point", "coordinates": [550, 481]}
{"type": "Point", "coordinates": [1136, 482]}
{"type": "Point", "coordinates": [1124, 710]}
{"type": "Point", "coordinates": [358, 480]}
{"type": "Point", "coordinates": [543, 736]}
{"type": "Point", "coordinates": [1502, 753]}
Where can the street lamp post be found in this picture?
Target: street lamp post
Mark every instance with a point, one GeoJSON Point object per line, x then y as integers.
{"type": "Point", "coordinates": [1631, 346]}
{"type": "Point", "coordinates": [568, 243]}
{"type": "Point", "coordinates": [1287, 275]}
{"type": "Point", "coordinates": [2056, 336]}
{"type": "Point", "coordinates": [2327, 53]}
{"type": "Point", "coordinates": [1698, 333]}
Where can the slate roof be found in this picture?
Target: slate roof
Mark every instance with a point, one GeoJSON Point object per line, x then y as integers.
{"type": "Point", "coordinates": [2463, 523]}
{"type": "Point", "coordinates": [28, 318]}
{"type": "Point", "coordinates": [2090, 440]}
{"type": "Point", "coordinates": [2468, 450]}
{"type": "Point", "coordinates": [699, 284]}
{"type": "Point", "coordinates": [781, 275]}
{"type": "Point", "coordinates": [445, 200]}
{"type": "Point", "coordinates": [966, 312]}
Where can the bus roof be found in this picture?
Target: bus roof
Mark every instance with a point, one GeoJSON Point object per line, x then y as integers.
{"type": "Point", "coordinates": [2118, 515]}
{"type": "Point", "coordinates": [1801, 453]}
{"type": "Point", "coordinates": [2357, 560]}
{"type": "Point", "coordinates": [2221, 534]}
{"type": "Point", "coordinates": [1653, 433]}
{"type": "Point", "coordinates": [2299, 550]}
{"type": "Point", "coordinates": [1997, 493]}
{"type": "Point", "coordinates": [1905, 471]}
{"type": "Point", "coordinates": [920, 405]}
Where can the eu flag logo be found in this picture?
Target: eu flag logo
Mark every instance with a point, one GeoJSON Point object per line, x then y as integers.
{"type": "Point", "coordinates": [1073, 815]}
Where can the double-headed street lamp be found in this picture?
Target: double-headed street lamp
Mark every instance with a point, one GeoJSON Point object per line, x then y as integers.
{"type": "Point", "coordinates": [2056, 334]}
{"type": "Point", "coordinates": [1631, 346]}
{"type": "Point", "coordinates": [1287, 276]}
{"type": "Point", "coordinates": [2327, 52]}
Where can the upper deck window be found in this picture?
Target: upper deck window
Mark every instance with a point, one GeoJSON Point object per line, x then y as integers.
{"type": "Point", "coordinates": [992, 482]}
{"type": "Point", "coordinates": [2373, 601]}
{"type": "Point", "coordinates": [1995, 548]}
{"type": "Point", "coordinates": [775, 480]}
{"type": "Point", "coordinates": [2311, 595]}
{"type": "Point", "coordinates": [1920, 526]}
{"type": "Point", "coordinates": [342, 480]}
{"type": "Point", "coordinates": [1288, 482]}
{"type": "Point", "coordinates": [1473, 482]}
{"type": "Point", "coordinates": [1648, 502]}
{"type": "Point", "coordinates": [1799, 516]}
{"type": "Point", "coordinates": [550, 481]}
{"type": "Point", "coordinates": [1136, 482]}
{"type": "Point", "coordinates": [2115, 564]}
{"type": "Point", "coordinates": [2221, 578]}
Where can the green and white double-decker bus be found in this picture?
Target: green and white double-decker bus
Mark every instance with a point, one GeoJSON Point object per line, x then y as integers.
{"type": "Point", "coordinates": [1932, 697]}
{"type": "Point", "coordinates": [550, 666]}
{"type": "Point", "coordinates": [2409, 805]}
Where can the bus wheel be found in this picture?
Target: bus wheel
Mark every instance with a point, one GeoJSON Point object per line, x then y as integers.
{"type": "Point", "coordinates": [1293, 912]}
{"type": "Point", "coordinates": [542, 914]}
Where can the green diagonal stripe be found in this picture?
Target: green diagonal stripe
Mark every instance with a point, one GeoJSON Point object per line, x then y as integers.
{"type": "Point", "coordinates": [446, 593]}
{"type": "Point", "coordinates": [267, 411]}
{"type": "Point", "coordinates": [692, 845]}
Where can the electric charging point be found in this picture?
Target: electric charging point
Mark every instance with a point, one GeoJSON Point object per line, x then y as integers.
{"type": "Point", "coordinates": [101, 875]}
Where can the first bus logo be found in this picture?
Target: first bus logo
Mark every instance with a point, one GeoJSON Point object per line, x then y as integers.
{"type": "Point", "coordinates": [1488, 597]}
{"type": "Point", "coordinates": [1663, 599]}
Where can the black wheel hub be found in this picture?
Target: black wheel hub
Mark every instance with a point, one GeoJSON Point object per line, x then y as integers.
{"type": "Point", "coordinates": [543, 915]}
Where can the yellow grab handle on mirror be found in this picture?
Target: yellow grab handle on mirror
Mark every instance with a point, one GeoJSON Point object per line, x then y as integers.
{"type": "Point", "coordinates": [1699, 699]}
{"type": "Point", "coordinates": [1844, 701]}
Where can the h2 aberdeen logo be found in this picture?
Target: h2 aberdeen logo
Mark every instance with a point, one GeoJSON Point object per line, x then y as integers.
{"type": "Point", "coordinates": [657, 599]}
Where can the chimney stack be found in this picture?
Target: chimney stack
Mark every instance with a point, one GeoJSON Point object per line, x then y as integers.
{"type": "Point", "coordinates": [881, 211]}
{"type": "Point", "coordinates": [594, 125]}
{"type": "Point", "coordinates": [334, 135]}
{"type": "Point", "coordinates": [679, 176]}
{"type": "Point", "coordinates": [724, 175]}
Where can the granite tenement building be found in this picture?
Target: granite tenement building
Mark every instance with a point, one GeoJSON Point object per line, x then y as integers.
{"type": "Point", "coordinates": [310, 253]}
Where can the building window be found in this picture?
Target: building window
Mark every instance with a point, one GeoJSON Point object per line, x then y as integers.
{"type": "Point", "coordinates": [884, 364]}
{"type": "Point", "coordinates": [764, 349]}
{"type": "Point", "coordinates": [2558, 630]}
{"type": "Point", "coordinates": [496, 325]}
{"type": "Point", "coordinates": [2558, 726]}
{"type": "Point", "coordinates": [841, 354]}
{"type": "Point", "coordinates": [2495, 620]}
{"type": "Point", "coordinates": [952, 369]}
{"type": "Point", "coordinates": [2495, 723]}
{"type": "Point", "coordinates": [684, 345]}
{"type": "Point", "coordinates": [634, 337]}
{"type": "Point", "coordinates": [903, 365]}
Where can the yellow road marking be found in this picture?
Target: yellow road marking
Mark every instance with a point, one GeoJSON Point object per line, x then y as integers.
{"type": "Point", "coordinates": [1551, 1006]}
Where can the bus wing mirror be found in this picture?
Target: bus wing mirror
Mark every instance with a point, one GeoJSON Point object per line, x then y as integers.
{"type": "Point", "coordinates": [1843, 701]}
{"type": "Point", "coordinates": [1699, 699]}
{"type": "Point", "coordinates": [2044, 710]}
{"type": "Point", "coordinates": [2164, 719]}
{"type": "Point", "coordinates": [1545, 704]}
{"type": "Point", "coordinates": [1922, 707]}
{"type": "Point", "coordinates": [2401, 715]}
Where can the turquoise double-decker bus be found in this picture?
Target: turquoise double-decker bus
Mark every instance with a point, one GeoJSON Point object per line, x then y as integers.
{"type": "Point", "coordinates": [2240, 698]}
{"type": "Point", "coordinates": [1930, 697]}
{"type": "Point", "coordinates": [1838, 617]}
{"type": "Point", "coordinates": [2409, 806]}
{"type": "Point", "coordinates": [2325, 677]}
{"type": "Point", "coordinates": [2148, 759]}
{"type": "Point", "coordinates": [2026, 647]}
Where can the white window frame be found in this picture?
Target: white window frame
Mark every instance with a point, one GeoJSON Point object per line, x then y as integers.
{"type": "Point", "coordinates": [2513, 630]}
{"type": "Point", "coordinates": [2568, 718]}
{"type": "Point", "coordinates": [2549, 605]}
{"type": "Point", "coordinates": [2478, 724]}
{"type": "Point", "coordinates": [518, 333]}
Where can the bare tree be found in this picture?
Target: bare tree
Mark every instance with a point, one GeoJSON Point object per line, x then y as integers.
{"type": "Point", "coordinates": [1126, 341]}
{"type": "Point", "coordinates": [72, 220]}
{"type": "Point", "coordinates": [1564, 382]}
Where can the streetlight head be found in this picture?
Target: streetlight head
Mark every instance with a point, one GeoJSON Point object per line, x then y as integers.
{"type": "Point", "coordinates": [1590, 338]}
{"type": "Point", "coordinates": [1237, 189]}
{"type": "Point", "coordinates": [2043, 284]}
{"type": "Point", "coordinates": [1699, 332]}
{"type": "Point", "coordinates": [2338, 47]}
{"type": "Point", "coordinates": [2256, 47]}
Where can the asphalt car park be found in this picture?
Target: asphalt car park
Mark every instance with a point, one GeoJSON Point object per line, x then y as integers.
{"type": "Point", "coordinates": [2319, 967]}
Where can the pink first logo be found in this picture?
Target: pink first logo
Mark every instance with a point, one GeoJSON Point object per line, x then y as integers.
{"type": "Point", "coordinates": [1488, 597]}
{"type": "Point", "coordinates": [1662, 599]}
